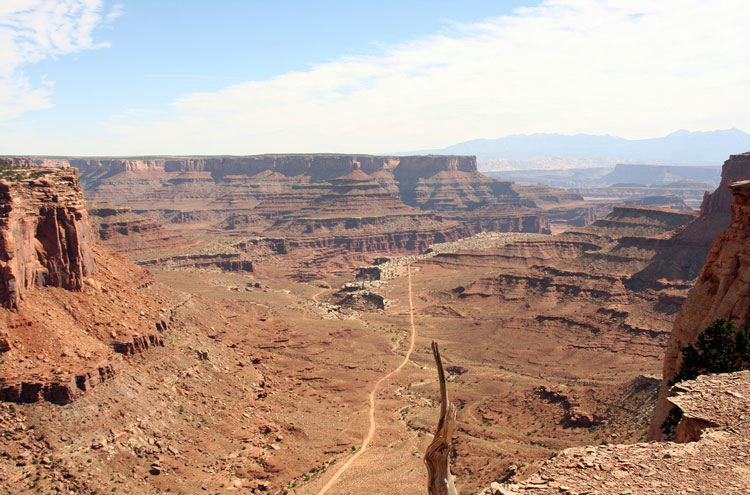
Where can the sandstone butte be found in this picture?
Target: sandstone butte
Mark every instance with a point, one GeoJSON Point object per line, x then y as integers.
{"type": "Point", "coordinates": [713, 447]}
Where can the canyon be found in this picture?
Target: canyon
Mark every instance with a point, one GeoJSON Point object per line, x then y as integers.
{"type": "Point", "coordinates": [263, 297]}
{"type": "Point", "coordinates": [710, 442]}
{"type": "Point", "coordinates": [339, 209]}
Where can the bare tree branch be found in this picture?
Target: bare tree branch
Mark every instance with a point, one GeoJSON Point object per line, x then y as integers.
{"type": "Point", "coordinates": [440, 479]}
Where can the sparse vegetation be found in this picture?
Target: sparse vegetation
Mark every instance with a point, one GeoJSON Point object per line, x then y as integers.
{"type": "Point", "coordinates": [721, 348]}
{"type": "Point", "coordinates": [15, 174]}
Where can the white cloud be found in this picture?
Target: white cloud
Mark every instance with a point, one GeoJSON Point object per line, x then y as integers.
{"type": "Point", "coordinates": [627, 67]}
{"type": "Point", "coordinates": [33, 30]}
{"type": "Point", "coordinates": [634, 68]}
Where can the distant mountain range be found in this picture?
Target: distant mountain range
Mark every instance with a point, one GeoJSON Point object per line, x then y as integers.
{"type": "Point", "coordinates": [680, 147]}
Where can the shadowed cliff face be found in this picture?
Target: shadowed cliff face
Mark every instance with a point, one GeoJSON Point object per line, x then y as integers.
{"type": "Point", "coordinates": [687, 250]}
{"type": "Point", "coordinates": [722, 290]}
{"type": "Point", "coordinates": [45, 237]}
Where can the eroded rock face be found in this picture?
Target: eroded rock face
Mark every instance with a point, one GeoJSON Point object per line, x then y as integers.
{"type": "Point", "coordinates": [710, 401]}
{"type": "Point", "coordinates": [60, 390]}
{"type": "Point", "coordinates": [574, 416]}
{"type": "Point", "coordinates": [45, 236]}
{"type": "Point", "coordinates": [316, 167]}
{"type": "Point", "coordinates": [337, 210]}
{"type": "Point", "coordinates": [687, 250]}
{"type": "Point", "coordinates": [721, 290]}
{"type": "Point", "coordinates": [136, 236]}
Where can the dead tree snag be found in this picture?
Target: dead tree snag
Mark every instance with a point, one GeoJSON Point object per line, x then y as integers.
{"type": "Point", "coordinates": [439, 477]}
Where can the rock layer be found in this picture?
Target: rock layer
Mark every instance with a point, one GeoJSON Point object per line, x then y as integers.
{"type": "Point", "coordinates": [335, 210]}
{"type": "Point", "coordinates": [721, 290]}
{"type": "Point", "coordinates": [45, 237]}
{"type": "Point", "coordinates": [129, 233]}
{"type": "Point", "coordinates": [62, 329]}
{"type": "Point", "coordinates": [687, 250]}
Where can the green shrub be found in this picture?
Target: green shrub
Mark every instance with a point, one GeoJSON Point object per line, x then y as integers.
{"type": "Point", "coordinates": [721, 348]}
{"type": "Point", "coordinates": [16, 174]}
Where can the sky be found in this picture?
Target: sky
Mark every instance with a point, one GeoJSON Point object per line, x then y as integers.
{"type": "Point", "coordinates": [126, 77]}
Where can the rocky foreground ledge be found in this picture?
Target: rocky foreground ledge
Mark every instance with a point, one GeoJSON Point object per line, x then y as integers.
{"type": "Point", "coordinates": [716, 409]}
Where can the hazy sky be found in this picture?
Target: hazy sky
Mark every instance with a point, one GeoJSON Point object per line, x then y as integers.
{"type": "Point", "coordinates": [93, 77]}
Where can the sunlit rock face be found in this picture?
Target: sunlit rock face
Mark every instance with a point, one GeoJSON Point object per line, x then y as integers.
{"type": "Point", "coordinates": [721, 290]}
{"type": "Point", "coordinates": [45, 236]}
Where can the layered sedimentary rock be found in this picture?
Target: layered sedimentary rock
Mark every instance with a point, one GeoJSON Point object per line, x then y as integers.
{"type": "Point", "coordinates": [230, 262]}
{"type": "Point", "coordinates": [59, 390]}
{"type": "Point", "coordinates": [710, 401]}
{"type": "Point", "coordinates": [62, 343]}
{"type": "Point", "coordinates": [273, 184]}
{"type": "Point", "coordinates": [126, 232]}
{"type": "Point", "coordinates": [322, 206]}
{"type": "Point", "coordinates": [686, 251]}
{"type": "Point", "coordinates": [721, 290]}
{"type": "Point", "coordinates": [558, 308]}
{"type": "Point", "coordinates": [575, 285]}
{"type": "Point", "coordinates": [71, 306]}
{"type": "Point", "coordinates": [641, 221]}
{"type": "Point", "coordinates": [315, 167]}
{"type": "Point", "coordinates": [46, 238]}
{"type": "Point", "coordinates": [567, 208]}
{"type": "Point", "coordinates": [714, 407]}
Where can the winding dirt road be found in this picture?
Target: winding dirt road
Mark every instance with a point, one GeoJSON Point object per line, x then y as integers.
{"type": "Point", "coordinates": [373, 427]}
{"type": "Point", "coordinates": [319, 293]}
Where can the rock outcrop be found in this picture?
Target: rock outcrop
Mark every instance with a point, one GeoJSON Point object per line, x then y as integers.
{"type": "Point", "coordinates": [686, 251]}
{"type": "Point", "coordinates": [721, 290]}
{"type": "Point", "coordinates": [45, 237]}
{"type": "Point", "coordinates": [710, 401]}
{"type": "Point", "coordinates": [59, 390]}
{"type": "Point", "coordinates": [715, 463]}
{"type": "Point", "coordinates": [713, 432]}
{"type": "Point", "coordinates": [323, 209]}
{"type": "Point", "coordinates": [574, 416]}
{"type": "Point", "coordinates": [317, 167]}
{"type": "Point", "coordinates": [579, 283]}
{"type": "Point", "coordinates": [134, 235]}
{"type": "Point", "coordinates": [71, 306]}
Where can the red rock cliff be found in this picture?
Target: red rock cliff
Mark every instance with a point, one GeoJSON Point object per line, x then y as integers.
{"type": "Point", "coordinates": [411, 168]}
{"type": "Point", "coordinates": [721, 290]}
{"type": "Point", "coordinates": [317, 167]}
{"type": "Point", "coordinates": [45, 237]}
{"type": "Point", "coordinates": [683, 258]}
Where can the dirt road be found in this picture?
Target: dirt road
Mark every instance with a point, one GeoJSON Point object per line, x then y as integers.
{"type": "Point", "coordinates": [320, 292]}
{"type": "Point", "coordinates": [373, 427]}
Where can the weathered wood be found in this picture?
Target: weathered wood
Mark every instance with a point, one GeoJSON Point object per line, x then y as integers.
{"type": "Point", "coordinates": [439, 477]}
